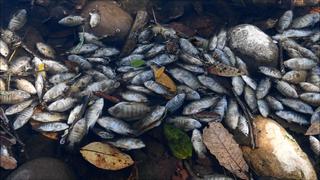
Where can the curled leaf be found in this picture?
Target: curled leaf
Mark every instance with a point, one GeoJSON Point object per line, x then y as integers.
{"type": "Point", "coordinates": [137, 63]}
{"type": "Point", "coordinates": [222, 145]}
{"type": "Point", "coordinates": [163, 79]}
{"type": "Point", "coordinates": [178, 141]}
{"type": "Point", "coordinates": [105, 156]}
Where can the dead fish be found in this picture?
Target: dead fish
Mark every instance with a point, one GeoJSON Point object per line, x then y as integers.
{"type": "Point", "coordinates": [127, 76]}
{"type": "Point", "coordinates": [74, 114]}
{"type": "Point", "coordinates": [9, 36]}
{"type": "Point", "coordinates": [221, 107]}
{"type": "Point", "coordinates": [187, 47]}
{"type": "Point", "coordinates": [152, 120]}
{"type": "Point", "coordinates": [129, 111]}
{"type": "Point", "coordinates": [23, 117]}
{"type": "Point", "coordinates": [93, 112]}
{"type": "Point", "coordinates": [297, 105]}
{"type": "Point", "coordinates": [295, 77]}
{"type": "Point", "coordinates": [13, 97]}
{"type": "Point", "coordinates": [54, 67]}
{"type": "Point", "coordinates": [270, 71]}
{"type": "Point", "coordinates": [263, 107]}
{"type": "Point", "coordinates": [62, 105]}
{"type": "Point", "coordinates": [96, 75]}
{"type": "Point", "coordinates": [231, 56]}
{"type": "Point", "coordinates": [300, 63]}
{"type": "Point", "coordinates": [237, 85]}
{"type": "Point", "coordinates": [212, 84]}
{"type": "Point", "coordinates": [157, 88]}
{"type": "Point", "coordinates": [249, 81]}
{"type": "Point", "coordinates": [221, 69]}
{"type": "Point", "coordinates": [185, 77]}
{"type": "Point", "coordinates": [315, 145]}
{"type": "Point", "coordinates": [39, 85]}
{"type": "Point", "coordinates": [78, 131]}
{"type": "Point", "coordinates": [104, 86]}
{"type": "Point", "coordinates": [309, 87]}
{"type": "Point", "coordinates": [143, 48]}
{"type": "Point", "coordinates": [115, 125]}
{"type": "Point", "coordinates": [26, 86]}
{"type": "Point", "coordinates": [286, 89]}
{"type": "Point", "coordinates": [142, 77]}
{"type": "Point", "coordinates": [2, 85]}
{"type": "Point", "coordinates": [206, 116]}
{"type": "Point", "coordinates": [288, 43]}
{"type": "Point", "coordinates": [190, 93]}
{"type": "Point", "coordinates": [145, 36]}
{"type": "Point", "coordinates": [285, 20]}
{"type": "Point", "coordinates": [103, 133]}
{"type": "Point", "coordinates": [80, 84]}
{"type": "Point", "coordinates": [221, 57]}
{"type": "Point", "coordinates": [291, 116]}
{"type": "Point", "coordinates": [108, 71]}
{"type": "Point", "coordinates": [127, 61]}
{"type": "Point", "coordinates": [39, 66]}
{"type": "Point", "coordinates": [90, 38]}
{"type": "Point", "coordinates": [95, 19]}
{"type": "Point", "coordinates": [222, 38]}
{"type": "Point", "coordinates": [99, 60]}
{"type": "Point", "coordinates": [18, 20]}
{"type": "Point", "coordinates": [263, 88]}
{"type": "Point", "coordinates": [305, 21]}
{"type": "Point", "coordinates": [72, 21]}
{"type": "Point", "coordinates": [199, 42]}
{"type": "Point", "coordinates": [48, 117]}
{"type": "Point", "coordinates": [187, 58]}
{"type": "Point", "coordinates": [45, 50]}
{"type": "Point", "coordinates": [232, 114]}
{"type": "Point", "coordinates": [176, 102]}
{"type": "Point", "coordinates": [139, 89]}
{"type": "Point", "coordinates": [133, 96]}
{"type": "Point", "coordinates": [199, 105]}
{"type": "Point", "coordinates": [164, 32]}
{"type": "Point", "coordinates": [4, 49]}
{"type": "Point", "coordinates": [84, 49]}
{"type": "Point", "coordinates": [59, 78]}
{"type": "Point", "coordinates": [162, 60]}
{"type": "Point", "coordinates": [105, 52]}
{"type": "Point", "coordinates": [240, 64]}
{"type": "Point", "coordinates": [127, 143]}
{"type": "Point", "coordinates": [51, 127]}
{"type": "Point", "coordinates": [184, 122]}
{"type": "Point", "coordinates": [293, 33]}
{"type": "Point", "coordinates": [80, 61]}
{"type": "Point", "coordinates": [191, 68]}
{"type": "Point", "coordinates": [3, 64]}
{"type": "Point", "coordinates": [274, 103]}
{"type": "Point", "coordinates": [16, 108]}
{"type": "Point", "coordinates": [250, 98]}
{"type": "Point", "coordinates": [213, 42]}
{"type": "Point", "coordinates": [315, 116]}
{"type": "Point", "coordinates": [243, 126]}
{"type": "Point", "coordinates": [311, 98]}
{"type": "Point", "coordinates": [20, 65]}
{"type": "Point", "coordinates": [198, 145]}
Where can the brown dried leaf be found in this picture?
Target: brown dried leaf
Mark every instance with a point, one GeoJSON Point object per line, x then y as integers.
{"type": "Point", "coordinates": [8, 162]}
{"type": "Point", "coordinates": [221, 69]}
{"type": "Point", "coordinates": [105, 156]}
{"type": "Point", "coordinates": [163, 79]}
{"type": "Point", "coordinates": [314, 129]}
{"type": "Point", "coordinates": [222, 145]}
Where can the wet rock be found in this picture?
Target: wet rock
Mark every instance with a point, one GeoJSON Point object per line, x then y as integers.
{"type": "Point", "coordinates": [254, 46]}
{"type": "Point", "coordinates": [42, 168]}
{"type": "Point", "coordinates": [278, 154]}
{"type": "Point", "coordinates": [115, 22]}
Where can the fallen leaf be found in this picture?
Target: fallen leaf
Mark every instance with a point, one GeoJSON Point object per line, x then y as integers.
{"type": "Point", "coordinates": [314, 129]}
{"type": "Point", "coordinates": [105, 156]}
{"type": "Point", "coordinates": [137, 63]}
{"type": "Point", "coordinates": [221, 69]}
{"type": "Point", "coordinates": [50, 135]}
{"type": "Point", "coordinates": [8, 162]}
{"type": "Point", "coordinates": [178, 141]}
{"type": "Point", "coordinates": [222, 145]}
{"type": "Point", "coordinates": [163, 79]}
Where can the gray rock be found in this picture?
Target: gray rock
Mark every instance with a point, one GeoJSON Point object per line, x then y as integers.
{"type": "Point", "coordinates": [42, 168]}
{"type": "Point", "coordinates": [254, 46]}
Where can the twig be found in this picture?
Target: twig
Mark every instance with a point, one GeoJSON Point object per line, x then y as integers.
{"type": "Point", "coordinates": [281, 59]}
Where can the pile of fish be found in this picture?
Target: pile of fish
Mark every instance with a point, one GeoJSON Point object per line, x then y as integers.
{"type": "Point", "coordinates": [186, 82]}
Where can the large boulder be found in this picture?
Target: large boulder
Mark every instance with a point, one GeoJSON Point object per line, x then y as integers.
{"type": "Point", "coordinates": [254, 46]}
{"type": "Point", "coordinates": [278, 154]}
{"type": "Point", "coordinates": [115, 22]}
{"type": "Point", "coordinates": [42, 168]}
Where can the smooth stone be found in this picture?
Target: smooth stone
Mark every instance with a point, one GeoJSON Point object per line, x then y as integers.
{"type": "Point", "coordinates": [254, 46]}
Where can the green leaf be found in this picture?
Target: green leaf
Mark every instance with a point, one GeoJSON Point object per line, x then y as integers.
{"type": "Point", "coordinates": [178, 142]}
{"type": "Point", "coordinates": [137, 63]}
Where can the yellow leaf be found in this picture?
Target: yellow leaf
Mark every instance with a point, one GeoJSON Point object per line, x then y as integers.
{"type": "Point", "coordinates": [105, 156]}
{"type": "Point", "coordinates": [163, 79]}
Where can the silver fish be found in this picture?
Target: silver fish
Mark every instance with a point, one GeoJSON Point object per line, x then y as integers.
{"type": "Point", "coordinates": [52, 127]}
{"type": "Point", "coordinates": [16, 108]}
{"type": "Point", "coordinates": [295, 77]}
{"type": "Point", "coordinates": [192, 68]}
{"type": "Point", "coordinates": [103, 133]}
{"type": "Point", "coordinates": [74, 114]}
{"type": "Point", "coordinates": [315, 145]}
{"type": "Point", "coordinates": [237, 85]}
{"type": "Point", "coordinates": [108, 71]}
{"type": "Point", "coordinates": [23, 117]}
{"type": "Point", "coordinates": [263, 88]}
{"type": "Point", "coordinates": [293, 33]}
{"type": "Point", "coordinates": [213, 43]}
{"type": "Point", "coordinates": [62, 105]}
{"type": "Point", "coordinates": [297, 105]}
{"type": "Point", "coordinates": [157, 88]}
{"type": "Point", "coordinates": [128, 143]}
{"type": "Point", "coordinates": [96, 75]}
{"type": "Point", "coordinates": [198, 144]}
{"type": "Point", "coordinates": [306, 20]}
{"type": "Point", "coordinates": [155, 50]}
{"type": "Point", "coordinates": [243, 126]}
{"type": "Point", "coordinates": [300, 63]}
{"type": "Point", "coordinates": [162, 60]}
{"type": "Point", "coordinates": [176, 102]}
{"type": "Point", "coordinates": [185, 77]}
{"type": "Point", "coordinates": [241, 65]}
{"type": "Point", "coordinates": [232, 114]}
{"type": "Point", "coordinates": [48, 117]}
{"type": "Point", "coordinates": [90, 38]}
{"type": "Point", "coordinates": [133, 96]}
{"type": "Point", "coordinates": [309, 87]}
{"type": "Point", "coordinates": [4, 49]}
{"type": "Point", "coordinates": [291, 116]}
{"type": "Point", "coordinates": [199, 105]}
{"type": "Point", "coordinates": [80, 61]}
{"type": "Point", "coordinates": [54, 67]}
{"type": "Point", "coordinates": [132, 74]}
{"type": "Point", "coordinates": [13, 97]}
{"type": "Point", "coordinates": [270, 71]}
{"type": "Point", "coordinates": [104, 85]}
{"type": "Point", "coordinates": [274, 103]}
{"type": "Point", "coordinates": [26, 86]}
{"type": "Point", "coordinates": [311, 98]}
{"type": "Point", "coordinates": [18, 20]}
{"type": "Point", "coordinates": [95, 19]}
{"type": "Point", "coordinates": [99, 60]}
{"type": "Point", "coordinates": [145, 36]}
{"type": "Point", "coordinates": [222, 38]}
{"type": "Point", "coordinates": [80, 84]}
{"type": "Point", "coordinates": [212, 84]}
{"type": "Point", "coordinates": [142, 77]}
{"type": "Point", "coordinates": [72, 21]}
{"type": "Point", "coordinates": [249, 81]}
{"type": "Point", "coordinates": [286, 89]}
{"type": "Point", "coordinates": [143, 48]}
{"type": "Point", "coordinates": [187, 58]}
{"type": "Point", "coordinates": [221, 56]}
{"type": "Point", "coordinates": [184, 122]}
{"type": "Point", "coordinates": [59, 78]}
{"type": "Point", "coordinates": [78, 131]}
{"type": "Point", "coordinates": [187, 47]}
{"type": "Point", "coordinates": [315, 116]}
{"type": "Point", "coordinates": [263, 107]}
{"type": "Point", "coordinates": [20, 65]}
{"type": "Point", "coordinates": [126, 61]}
{"type": "Point", "coordinates": [115, 125]}
{"type": "Point", "coordinates": [250, 98]}
{"type": "Point", "coordinates": [84, 49]}
{"type": "Point", "coordinates": [221, 107]}
{"type": "Point", "coordinates": [190, 93]}
{"type": "Point", "coordinates": [139, 89]}
{"type": "Point", "coordinates": [129, 111]}
{"type": "Point", "coordinates": [45, 50]}
{"type": "Point", "coordinates": [93, 112]}
{"type": "Point", "coordinates": [285, 20]}
{"type": "Point", "coordinates": [105, 52]}
{"type": "Point", "coordinates": [231, 56]}
{"type": "Point", "coordinates": [288, 43]}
